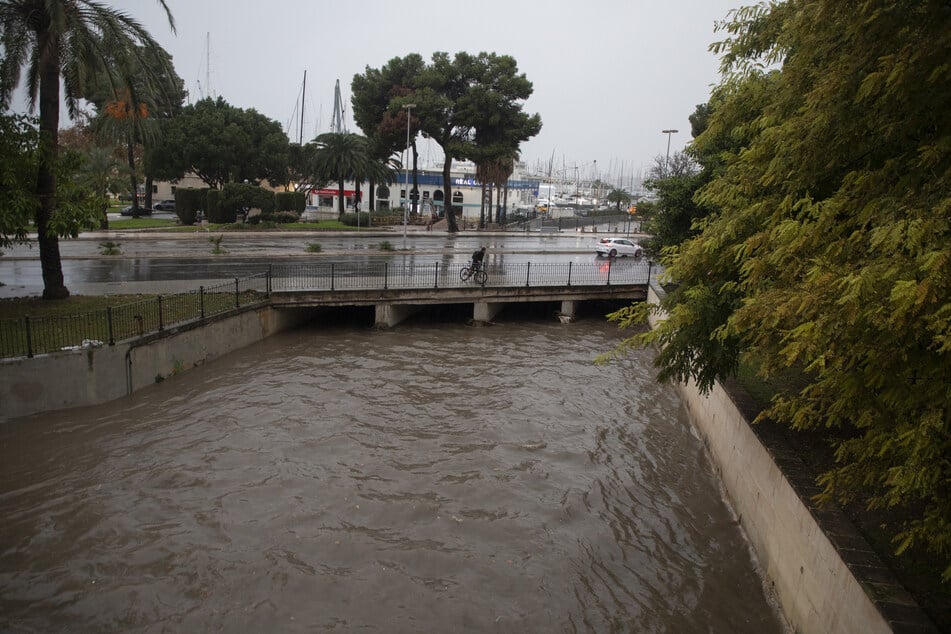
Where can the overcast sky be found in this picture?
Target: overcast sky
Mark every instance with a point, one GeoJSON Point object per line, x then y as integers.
{"type": "Point", "coordinates": [608, 75]}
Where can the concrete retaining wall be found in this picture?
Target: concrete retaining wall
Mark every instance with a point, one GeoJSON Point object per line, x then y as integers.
{"type": "Point", "coordinates": [97, 375]}
{"type": "Point", "coordinates": [815, 586]}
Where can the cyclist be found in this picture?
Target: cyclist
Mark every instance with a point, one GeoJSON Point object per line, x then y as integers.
{"type": "Point", "coordinates": [477, 258]}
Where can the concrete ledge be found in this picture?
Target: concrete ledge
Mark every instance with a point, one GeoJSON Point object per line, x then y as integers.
{"type": "Point", "coordinates": [78, 378]}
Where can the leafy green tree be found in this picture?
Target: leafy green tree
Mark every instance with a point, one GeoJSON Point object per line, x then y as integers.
{"type": "Point", "coordinates": [467, 99]}
{"type": "Point", "coordinates": [378, 97]}
{"type": "Point", "coordinates": [674, 182]}
{"type": "Point", "coordinates": [221, 144]}
{"type": "Point", "coordinates": [831, 244]}
{"type": "Point", "coordinates": [19, 140]}
{"type": "Point", "coordinates": [470, 105]}
{"type": "Point", "coordinates": [100, 170]}
{"type": "Point", "coordinates": [54, 40]}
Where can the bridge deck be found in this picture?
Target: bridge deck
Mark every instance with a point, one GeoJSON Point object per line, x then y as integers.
{"type": "Point", "coordinates": [395, 289]}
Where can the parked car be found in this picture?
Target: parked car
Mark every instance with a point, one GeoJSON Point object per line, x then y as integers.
{"type": "Point", "coordinates": [164, 205]}
{"type": "Point", "coordinates": [613, 247]}
{"type": "Point", "coordinates": [143, 211]}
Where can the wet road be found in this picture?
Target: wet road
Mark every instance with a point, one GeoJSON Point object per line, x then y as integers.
{"type": "Point", "coordinates": [177, 262]}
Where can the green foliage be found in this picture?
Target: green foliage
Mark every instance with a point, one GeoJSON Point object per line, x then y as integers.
{"type": "Point", "coordinates": [314, 247]}
{"type": "Point", "coordinates": [386, 245]}
{"type": "Point", "coordinates": [469, 104]}
{"type": "Point", "coordinates": [290, 201]}
{"type": "Point", "coordinates": [618, 197]}
{"type": "Point", "coordinates": [216, 244]}
{"type": "Point", "coordinates": [188, 202]}
{"type": "Point", "coordinates": [356, 220]}
{"type": "Point", "coordinates": [238, 197]}
{"type": "Point", "coordinates": [61, 42]}
{"type": "Point", "coordinates": [19, 142]}
{"type": "Point", "coordinates": [212, 208]}
{"type": "Point", "coordinates": [831, 243]}
{"type": "Point", "coordinates": [221, 144]}
{"type": "Point", "coordinates": [109, 248]}
{"type": "Point", "coordinates": [276, 218]}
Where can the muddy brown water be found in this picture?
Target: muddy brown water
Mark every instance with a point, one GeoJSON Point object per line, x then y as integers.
{"type": "Point", "coordinates": [433, 478]}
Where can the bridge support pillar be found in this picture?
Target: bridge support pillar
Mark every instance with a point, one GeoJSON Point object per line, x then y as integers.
{"type": "Point", "coordinates": [388, 315]}
{"type": "Point", "coordinates": [568, 310]}
{"type": "Point", "coordinates": [485, 312]}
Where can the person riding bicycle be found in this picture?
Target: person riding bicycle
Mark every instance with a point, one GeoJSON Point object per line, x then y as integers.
{"type": "Point", "coordinates": [477, 258]}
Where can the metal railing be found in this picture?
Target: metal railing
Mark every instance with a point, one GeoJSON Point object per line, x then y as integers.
{"type": "Point", "coordinates": [29, 336]}
{"type": "Point", "coordinates": [340, 276]}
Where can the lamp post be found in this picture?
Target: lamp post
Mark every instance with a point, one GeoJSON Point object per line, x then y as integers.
{"type": "Point", "coordinates": [409, 109]}
{"type": "Point", "coordinates": [667, 159]}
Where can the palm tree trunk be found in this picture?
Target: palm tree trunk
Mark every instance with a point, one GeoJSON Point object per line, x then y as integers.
{"type": "Point", "coordinates": [130, 151]}
{"type": "Point", "coordinates": [50, 262]}
{"type": "Point", "coordinates": [340, 200]}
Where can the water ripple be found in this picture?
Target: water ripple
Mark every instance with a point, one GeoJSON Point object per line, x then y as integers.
{"type": "Point", "coordinates": [434, 478]}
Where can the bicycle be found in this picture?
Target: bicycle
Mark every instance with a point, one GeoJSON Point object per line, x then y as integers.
{"type": "Point", "coordinates": [476, 273]}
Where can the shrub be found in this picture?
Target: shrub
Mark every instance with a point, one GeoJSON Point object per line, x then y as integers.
{"type": "Point", "coordinates": [314, 247]}
{"type": "Point", "coordinates": [188, 202]}
{"type": "Point", "coordinates": [109, 248]}
{"type": "Point", "coordinates": [290, 201]}
{"type": "Point", "coordinates": [350, 219]}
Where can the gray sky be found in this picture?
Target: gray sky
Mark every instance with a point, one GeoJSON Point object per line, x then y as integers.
{"type": "Point", "coordinates": [608, 75]}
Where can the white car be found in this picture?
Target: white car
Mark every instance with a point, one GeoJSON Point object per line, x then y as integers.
{"type": "Point", "coordinates": [613, 247]}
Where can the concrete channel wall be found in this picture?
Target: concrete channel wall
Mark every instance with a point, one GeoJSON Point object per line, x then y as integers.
{"type": "Point", "coordinates": [96, 375]}
{"type": "Point", "coordinates": [809, 555]}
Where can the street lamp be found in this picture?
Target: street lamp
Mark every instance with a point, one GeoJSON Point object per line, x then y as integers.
{"type": "Point", "coordinates": [409, 108]}
{"type": "Point", "coordinates": [667, 159]}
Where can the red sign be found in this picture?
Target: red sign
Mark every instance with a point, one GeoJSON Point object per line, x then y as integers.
{"type": "Point", "coordinates": [347, 193]}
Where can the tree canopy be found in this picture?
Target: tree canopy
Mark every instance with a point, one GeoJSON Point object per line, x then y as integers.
{"type": "Point", "coordinates": [471, 105]}
{"type": "Point", "coordinates": [829, 249]}
{"type": "Point", "coordinates": [221, 144]}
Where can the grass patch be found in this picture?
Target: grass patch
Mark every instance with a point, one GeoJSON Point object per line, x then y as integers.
{"type": "Point", "coordinates": [68, 323]}
{"type": "Point", "coordinates": [142, 223]}
{"type": "Point", "coordinates": [314, 247]}
{"type": "Point", "coordinates": [19, 307]}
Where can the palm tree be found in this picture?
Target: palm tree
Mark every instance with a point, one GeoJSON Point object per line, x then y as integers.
{"type": "Point", "coordinates": [56, 39]}
{"type": "Point", "coordinates": [340, 156]}
{"type": "Point", "coordinates": [618, 196]}
{"type": "Point", "coordinates": [126, 120]}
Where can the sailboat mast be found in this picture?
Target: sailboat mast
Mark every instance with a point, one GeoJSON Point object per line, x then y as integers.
{"type": "Point", "coordinates": [303, 94]}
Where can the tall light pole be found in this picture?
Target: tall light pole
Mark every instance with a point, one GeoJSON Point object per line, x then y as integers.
{"type": "Point", "coordinates": [409, 109]}
{"type": "Point", "coordinates": [667, 159]}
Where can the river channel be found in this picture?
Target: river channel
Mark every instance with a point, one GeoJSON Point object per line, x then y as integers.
{"type": "Point", "coordinates": [437, 477]}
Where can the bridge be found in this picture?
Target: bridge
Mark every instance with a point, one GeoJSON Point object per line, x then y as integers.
{"type": "Point", "coordinates": [398, 290]}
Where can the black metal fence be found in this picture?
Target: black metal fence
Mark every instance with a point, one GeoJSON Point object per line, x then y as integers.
{"type": "Point", "coordinates": [29, 336]}
{"type": "Point", "coordinates": [40, 335]}
{"type": "Point", "coordinates": [334, 276]}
